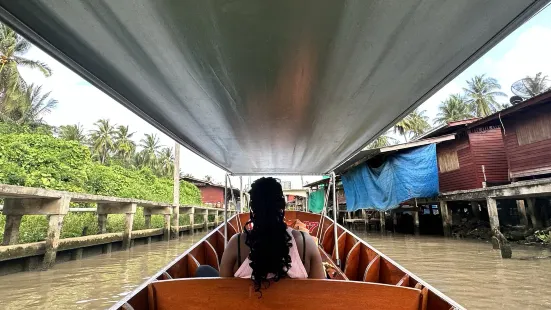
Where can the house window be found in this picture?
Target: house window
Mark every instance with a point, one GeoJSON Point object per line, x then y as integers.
{"type": "Point", "coordinates": [448, 161]}
{"type": "Point", "coordinates": [535, 129]}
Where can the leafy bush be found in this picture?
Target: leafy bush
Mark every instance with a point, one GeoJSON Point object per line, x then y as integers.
{"type": "Point", "coordinates": [37, 159]}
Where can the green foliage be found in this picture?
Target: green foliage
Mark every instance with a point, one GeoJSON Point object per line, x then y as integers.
{"type": "Point", "coordinates": [544, 236]}
{"type": "Point", "coordinates": [35, 159]}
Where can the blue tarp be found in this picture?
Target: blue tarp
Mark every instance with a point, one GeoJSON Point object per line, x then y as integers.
{"type": "Point", "coordinates": [404, 175]}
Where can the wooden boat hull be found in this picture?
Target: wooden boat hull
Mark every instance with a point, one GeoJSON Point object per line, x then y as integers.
{"type": "Point", "coordinates": [366, 278]}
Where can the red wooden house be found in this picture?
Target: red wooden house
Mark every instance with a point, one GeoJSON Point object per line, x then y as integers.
{"type": "Point", "coordinates": [211, 193]}
{"type": "Point", "coordinates": [526, 132]}
{"type": "Point", "coordinates": [475, 158]}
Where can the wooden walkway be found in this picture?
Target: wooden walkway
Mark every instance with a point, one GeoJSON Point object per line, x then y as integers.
{"type": "Point", "coordinates": [19, 201]}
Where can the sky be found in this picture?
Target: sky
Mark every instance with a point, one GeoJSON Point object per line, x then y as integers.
{"type": "Point", "coordinates": [526, 51]}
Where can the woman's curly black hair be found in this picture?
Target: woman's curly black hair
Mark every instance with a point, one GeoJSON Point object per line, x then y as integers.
{"type": "Point", "coordinates": [268, 239]}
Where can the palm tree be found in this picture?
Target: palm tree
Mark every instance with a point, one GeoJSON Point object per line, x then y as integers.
{"type": "Point", "coordinates": [455, 108]}
{"type": "Point", "coordinates": [29, 107]}
{"type": "Point", "coordinates": [535, 85]}
{"type": "Point", "coordinates": [12, 49]}
{"type": "Point", "coordinates": [415, 124]}
{"type": "Point", "coordinates": [382, 141]}
{"type": "Point", "coordinates": [165, 163]}
{"type": "Point", "coordinates": [102, 140]}
{"type": "Point", "coordinates": [124, 145]}
{"type": "Point", "coordinates": [419, 122]}
{"type": "Point", "coordinates": [150, 145]}
{"type": "Point", "coordinates": [403, 128]}
{"type": "Point", "coordinates": [481, 92]}
{"type": "Point", "coordinates": [72, 133]}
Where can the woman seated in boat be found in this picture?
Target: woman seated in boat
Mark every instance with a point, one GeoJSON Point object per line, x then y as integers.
{"type": "Point", "coordinates": [268, 249]}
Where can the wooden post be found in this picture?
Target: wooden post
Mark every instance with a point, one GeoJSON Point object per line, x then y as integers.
{"type": "Point", "coordinates": [127, 235]}
{"type": "Point", "coordinates": [394, 220]}
{"type": "Point", "coordinates": [476, 209]}
{"type": "Point", "coordinates": [416, 222]}
{"type": "Point", "coordinates": [52, 239]}
{"type": "Point", "coordinates": [102, 223]}
{"type": "Point", "coordinates": [11, 229]}
{"type": "Point", "coordinates": [492, 213]}
{"type": "Point", "coordinates": [522, 213]}
{"type": "Point", "coordinates": [446, 218]}
{"type": "Point", "coordinates": [497, 238]}
{"type": "Point", "coordinates": [382, 215]}
{"type": "Point", "coordinates": [175, 227]}
{"type": "Point", "coordinates": [534, 214]}
{"type": "Point", "coordinates": [147, 218]}
{"type": "Point", "coordinates": [166, 228]}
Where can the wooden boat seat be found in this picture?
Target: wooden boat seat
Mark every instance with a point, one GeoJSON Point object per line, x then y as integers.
{"type": "Point", "coordinates": [218, 293]}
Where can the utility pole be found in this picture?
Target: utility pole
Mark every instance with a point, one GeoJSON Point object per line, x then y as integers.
{"type": "Point", "coordinates": [175, 225]}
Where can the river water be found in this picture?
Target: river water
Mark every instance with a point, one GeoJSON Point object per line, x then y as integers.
{"type": "Point", "coordinates": [470, 272]}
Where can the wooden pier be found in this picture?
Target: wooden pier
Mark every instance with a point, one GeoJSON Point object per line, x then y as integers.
{"type": "Point", "coordinates": [20, 201]}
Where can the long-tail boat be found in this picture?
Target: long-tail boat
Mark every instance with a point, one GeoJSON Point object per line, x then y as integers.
{"type": "Point", "coordinates": [273, 88]}
{"type": "Point", "coordinates": [365, 278]}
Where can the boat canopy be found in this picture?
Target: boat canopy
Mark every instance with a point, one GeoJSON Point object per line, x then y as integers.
{"type": "Point", "coordinates": [268, 87]}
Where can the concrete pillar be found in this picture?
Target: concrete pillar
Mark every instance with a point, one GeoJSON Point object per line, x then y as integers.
{"type": "Point", "coordinates": [147, 221]}
{"type": "Point", "coordinates": [166, 228]}
{"type": "Point", "coordinates": [476, 209]}
{"type": "Point", "coordinates": [206, 217]}
{"type": "Point", "coordinates": [544, 215]}
{"type": "Point", "coordinates": [446, 218]}
{"type": "Point", "coordinates": [534, 214]}
{"type": "Point", "coordinates": [127, 234]}
{"type": "Point", "coordinates": [492, 213]}
{"type": "Point", "coordinates": [11, 229]}
{"type": "Point", "coordinates": [382, 216]}
{"type": "Point", "coordinates": [522, 213]}
{"type": "Point", "coordinates": [102, 223]}
{"type": "Point", "coordinates": [175, 224]}
{"type": "Point", "coordinates": [217, 217]}
{"type": "Point", "coordinates": [416, 222]}
{"type": "Point", "coordinates": [148, 240]}
{"type": "Point", "coordinates": [32, 263]}
{"type": "Point", "coordinates": [107, 248]}
{"type": "Point", "coordinates": [52, 239]}
{"type": "Point", "coordinates": [76, 254]}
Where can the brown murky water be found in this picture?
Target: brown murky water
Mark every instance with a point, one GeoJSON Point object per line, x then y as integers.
{"type": "Point", "coordinates": [96, 282]}
{"type": "Point", "coordinates": [468, 271]}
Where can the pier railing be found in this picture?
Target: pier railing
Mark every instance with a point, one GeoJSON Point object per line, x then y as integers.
{"type": "Point", "coordinates": [19, 201]}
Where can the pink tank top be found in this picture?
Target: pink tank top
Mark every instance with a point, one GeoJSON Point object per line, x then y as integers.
{"type": "Point", "coordinates": [297, 270]}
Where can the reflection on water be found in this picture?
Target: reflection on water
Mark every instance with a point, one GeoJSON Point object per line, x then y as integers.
{"type": "Point", "coordinates": [470, 272]}
{"type": "Point", "coordinates": [96, 282]}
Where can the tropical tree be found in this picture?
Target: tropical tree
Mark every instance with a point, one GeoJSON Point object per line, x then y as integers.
{"type": "Point", "coordinates": [382, 141]}
{"type": "Point", "coordinates": [413, 125]}
{"type": "Point", "coordinates": [31, 106]}
{"type": "Point", "coordinates": [535, 85]}
{"type": "Point", "coordinates": [454, 108]}
{"type": "Point", "coordinates": [481, 93]}
{"type": "Point", "coordinates": [150, 145]}
{"type": "Point", "coordinates": [102, 140]}
{"type": "Point", "coordinates": [72, 133]}
{"type": "Point", "coordinates": [165, 162]}
{"type": "Point", "coordinates": [12, 49]}
{"type": "Point", "coordinates": [124, 145]}
{"type": "Point", "coordinates": [419, 122]}
{"type": "Point", "coordinates": [403, 128]}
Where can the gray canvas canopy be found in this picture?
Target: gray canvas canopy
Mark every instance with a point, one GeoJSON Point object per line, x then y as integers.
{"type": "Point", "coordinates": [269, 87]}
